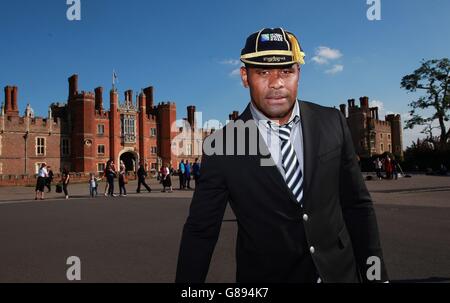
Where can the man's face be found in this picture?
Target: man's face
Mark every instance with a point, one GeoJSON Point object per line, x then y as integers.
{"type": "Point", "coordinates": [273, 90]}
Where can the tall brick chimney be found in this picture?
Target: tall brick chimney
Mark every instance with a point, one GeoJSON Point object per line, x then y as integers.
{"type": "Point", "coordinates": [11, 108]}
{"type": "Point", "coordinates": [374, 113]}
{"type": "Point", "coordinates": [129, 96]}
{"type": "Point", "coordinates": [364, 101]}
{"type": "Point", "coordinates": [351, 103]}
{"type": "Point", "coordinates": [99, 98]}
{"type": "Point", "coordinates": [191, 115]}
{"type": "Point", "coordinates": [149, 97]}
{"type": "Point", "coordinates": [143, 131]}
{"type": "Point", "coordinates": [73, 86]}
{"type": "Point", "coordinates": [8, 97]}
{"type": "Point", "coordinates": [14, 100]}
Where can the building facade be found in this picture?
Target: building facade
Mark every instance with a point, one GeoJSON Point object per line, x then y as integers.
{"type": "Point", "coordinates": [82, 136]}
{"type": "Point", "coordinates": [372, 136]}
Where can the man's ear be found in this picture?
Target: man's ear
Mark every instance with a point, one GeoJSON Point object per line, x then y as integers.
{"type": "Point", "coordinates": [299, 71]}
{"type": "Point", "coordinates": [244, 76]}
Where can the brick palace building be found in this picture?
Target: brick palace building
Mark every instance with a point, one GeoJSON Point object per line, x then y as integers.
{"type": "Point", "coordinates": [372, 136]}
{"type": "Point", "coordinates": [81, 135]}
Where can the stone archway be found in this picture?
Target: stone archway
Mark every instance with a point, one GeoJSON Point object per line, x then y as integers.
{"type": "Point", "coordinates": [130, 159]}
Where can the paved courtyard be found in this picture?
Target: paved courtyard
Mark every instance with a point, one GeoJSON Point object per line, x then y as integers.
{"type": "Point", "coordinates": [136, 238]}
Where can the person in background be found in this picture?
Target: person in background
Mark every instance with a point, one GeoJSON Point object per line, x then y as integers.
{"type": "Point", "coordinates": [41, 181]}
{"type": "Point", "coordinates": [388, 167]}
{"type": "Point", "coordinates": [93, 184]}
{"type": "Point", "coordinates": [110, 175]}
{"type": "Point", "coordinates": [49, 179]}
{"type": "Point", "coordinates": [65, 177]}
{"type": "Point", "coordinates": [166, 180]}
{"type": "Point", "coordinates": [187, 175]}
{"type": "Point", "coordinates": [122, 179]}
{"type": "Point", "coordinates": [107, 183]}
{"type": "Point", "coordinates": [142, 173]}
{"type": "Point", "coordinates": [181, 170]}
{"type": "Point", "coordinates": [378, 165]}
{"type": "Point", "coordinates": [196, 171]}
{"type": "Point", "coordinates": [394, 168]}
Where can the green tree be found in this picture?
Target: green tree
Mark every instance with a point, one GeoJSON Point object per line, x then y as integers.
{"type": "Point", "coordinates": [433, 78]}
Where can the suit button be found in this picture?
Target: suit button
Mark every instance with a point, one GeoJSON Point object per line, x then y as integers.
{"type": "Point", "coordinates": [305, 218]}
{"type": "Point", "coordinates": [312, 249]}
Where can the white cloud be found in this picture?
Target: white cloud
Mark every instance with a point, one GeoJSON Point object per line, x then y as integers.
{"type": "Point", "coordinates": [319, 60]}
{"type": "Point", "coordinates": [324, 54]}
{"type": "Point", "coordinates": [380, 105]}
{"type": "Point", "coordinates": [230, 62]}
{"type": "Point", "coordinates": [337, 68]}
{"type": "Point", "coordinates": [235, 72]}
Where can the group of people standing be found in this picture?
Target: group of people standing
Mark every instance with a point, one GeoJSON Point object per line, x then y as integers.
{"type": "Point", "coordinates": [389, 165]}
{"type": "Point", "coordinates": [186, 170]}
{"type": "Point", "coordinates": [111, 173]}
{"type": "Point", "coordinates": [45, 178]}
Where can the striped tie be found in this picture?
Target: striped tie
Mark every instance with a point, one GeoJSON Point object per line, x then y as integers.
{"type": "Point", "coordinates": [293, 172]}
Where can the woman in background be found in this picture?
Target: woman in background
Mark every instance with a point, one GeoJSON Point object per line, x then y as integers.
{"type": "Point", "coordinates": [41, 181]}
{"type": "Point", "coordinates": [166, 181]}
{"type": "Point", "coordinates": [110, 175]}
{"type": "Point", "coordinates": [122, 178]}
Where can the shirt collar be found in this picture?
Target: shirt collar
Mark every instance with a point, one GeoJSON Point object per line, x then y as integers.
{"type": "Point", "coordinates": [260, 118]}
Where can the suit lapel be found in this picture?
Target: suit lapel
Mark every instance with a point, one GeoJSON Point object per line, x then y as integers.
{"type": "Point", "coordinates": [311, 141]}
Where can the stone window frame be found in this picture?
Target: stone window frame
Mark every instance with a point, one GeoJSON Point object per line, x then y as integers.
{"type": "Point", "coordinates": [98, 149]}
{"type": "Point", "coordinates": [102, 127]}
{"type": "Point", "coordinates": [102, 164]}
{"type": "Point", "coordinates": [37, 146]}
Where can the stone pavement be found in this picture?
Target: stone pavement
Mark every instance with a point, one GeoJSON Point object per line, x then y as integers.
{"type": "Point", "coordinates": [81, 190]}
{"type": "Point", "coordinates": [136, 238]}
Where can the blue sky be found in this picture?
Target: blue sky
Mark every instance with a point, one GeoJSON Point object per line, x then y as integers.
{"type": "Point", "coordinates": [188, 50]}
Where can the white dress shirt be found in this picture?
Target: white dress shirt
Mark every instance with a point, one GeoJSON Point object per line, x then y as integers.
{"type": "Point", "coordinates": [269, 131]}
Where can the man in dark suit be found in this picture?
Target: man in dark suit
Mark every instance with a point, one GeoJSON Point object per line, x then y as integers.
{"type": "Point", "coordinates": [289, 171]}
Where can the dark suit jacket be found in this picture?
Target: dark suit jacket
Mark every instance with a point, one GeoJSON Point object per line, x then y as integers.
{"type": "Point", "coordinates": [273, 238]}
